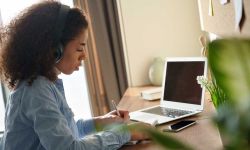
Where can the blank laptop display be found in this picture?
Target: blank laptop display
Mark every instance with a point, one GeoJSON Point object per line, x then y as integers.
{"type": "Point", "coordinates": [181, 96]}
{"type": "Point", "coordinates": [180, 82]}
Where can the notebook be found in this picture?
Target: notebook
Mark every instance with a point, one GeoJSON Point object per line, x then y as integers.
{"type": "Point", "coordinates": [181, 95]}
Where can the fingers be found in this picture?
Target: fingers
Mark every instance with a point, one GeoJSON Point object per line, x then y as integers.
{"type": "Point", "coordinates": [113, 119]}
{"type": "Point", "coordinates": [113, 112]}
{"type": "Point", "coordinates": [124, 114]}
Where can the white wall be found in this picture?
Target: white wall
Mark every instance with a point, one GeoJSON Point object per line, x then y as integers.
{"type": "Point", "coordinates": [157, 28]}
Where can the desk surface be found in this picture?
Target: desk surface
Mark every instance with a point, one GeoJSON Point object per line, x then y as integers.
{"type": "Point", "coordinates": [202, 136]}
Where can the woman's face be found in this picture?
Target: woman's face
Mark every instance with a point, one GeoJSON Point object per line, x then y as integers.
{"type": "Point", "coordinates": [73, 54]}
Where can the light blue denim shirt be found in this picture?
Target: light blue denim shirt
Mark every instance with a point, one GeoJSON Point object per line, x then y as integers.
{"type": "Point", "coordinates": [38, 117]}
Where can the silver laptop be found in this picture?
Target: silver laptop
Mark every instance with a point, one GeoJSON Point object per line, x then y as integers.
{"type": "Point", "coordinates": [181, 96]}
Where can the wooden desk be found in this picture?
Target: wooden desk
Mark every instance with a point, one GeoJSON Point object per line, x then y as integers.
{"type": "Point", "coordinates": [202, 136]}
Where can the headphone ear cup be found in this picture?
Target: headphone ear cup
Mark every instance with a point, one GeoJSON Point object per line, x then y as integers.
{"type": "Point", "coordinates": [59, 53]}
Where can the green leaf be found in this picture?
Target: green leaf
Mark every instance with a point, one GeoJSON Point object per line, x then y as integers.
{"type": "Point", "coordinates": [159, 137]}
{"type": "Point", "coordinates": [215, 100]}
{"type": "Point", "coordinates": [166, 141]}
{"type": "Point", "coordinates": [230, 65]}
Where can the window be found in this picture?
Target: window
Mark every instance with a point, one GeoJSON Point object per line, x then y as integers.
{"type": "Point", "coordinates": [76, 93]}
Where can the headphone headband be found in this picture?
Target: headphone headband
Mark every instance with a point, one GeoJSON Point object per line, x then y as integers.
{"type": "Point", "coordinates": [62, 16]}
{"type": "Point", "coordinates": [61, 19]}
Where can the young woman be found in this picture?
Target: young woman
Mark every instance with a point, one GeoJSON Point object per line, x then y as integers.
{"type": "Point", "coordinates": [46, 39]}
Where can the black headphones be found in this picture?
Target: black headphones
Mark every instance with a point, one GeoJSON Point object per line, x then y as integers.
{"type": "Point", "coordinates": [61, 19]}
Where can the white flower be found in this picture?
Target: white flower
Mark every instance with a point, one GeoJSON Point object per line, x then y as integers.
{"type": "Point", "coordinates": [217, 95]}
{"type": "Point", "coordinates": [202, 81]}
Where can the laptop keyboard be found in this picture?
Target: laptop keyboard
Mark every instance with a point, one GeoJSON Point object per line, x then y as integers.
{"type": "Point", "coordinates": [169, 112]}
{"type": "Point", "coordinates": [174, 112]}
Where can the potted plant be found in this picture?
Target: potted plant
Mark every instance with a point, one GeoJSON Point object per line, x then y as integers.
{"type": "Point", "coordinates": [229, 61]}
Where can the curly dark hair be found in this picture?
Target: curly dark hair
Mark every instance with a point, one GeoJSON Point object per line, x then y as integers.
{"type": "Point", "coordinates": [29, 42]}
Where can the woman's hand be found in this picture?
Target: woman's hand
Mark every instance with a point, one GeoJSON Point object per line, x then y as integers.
{"type": "Point", "coordinates": [124, 115]}
{"type": "Point", "coordinates": [137, 131]}
{"type": "Point", "coordinates": [111, 118]}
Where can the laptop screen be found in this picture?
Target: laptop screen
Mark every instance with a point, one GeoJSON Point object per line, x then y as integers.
{"type": "Point", "coordinates": [180, 82]}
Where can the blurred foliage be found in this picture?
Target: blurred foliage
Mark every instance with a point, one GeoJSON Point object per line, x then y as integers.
{"type": "Point", "coordinates": [167, 141]}
{"type": "Point", "coordinates": [163, 139]}
{"type": "Point", "coordinates": [229, 61]}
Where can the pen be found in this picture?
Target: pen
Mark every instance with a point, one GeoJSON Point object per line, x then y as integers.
{"type": "Point", "coordinates": [117, 111]}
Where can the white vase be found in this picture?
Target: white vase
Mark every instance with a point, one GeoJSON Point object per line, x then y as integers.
{"type": "Point", "coordinates": [156, 71]}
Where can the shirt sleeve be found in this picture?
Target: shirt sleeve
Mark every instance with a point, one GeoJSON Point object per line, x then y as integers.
{"type": "Point", "coordinates": [85, 127]}
{"type": "Point", "coordinates": [41, 109]}
{"type": "Point", "coordinates": [105, 140]}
